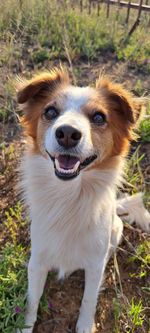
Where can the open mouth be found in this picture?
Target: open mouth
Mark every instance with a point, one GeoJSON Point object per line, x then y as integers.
{"type": "Point", "coordinates": [68, 167]}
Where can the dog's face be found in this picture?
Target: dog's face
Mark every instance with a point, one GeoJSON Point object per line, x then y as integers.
{"type": "Point", "coordinates": [78, 128]}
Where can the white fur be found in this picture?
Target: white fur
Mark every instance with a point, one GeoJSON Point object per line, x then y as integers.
{"type": "Point", "coordinates": [73, 100]}
{"type": "Point", "coordinates": [78, 121]}
{"type": "Point", "coordinates": [74, 223]}
{"type": "Point", "coordinates": [76, 97]}
{"type": "Point", "coordinates": [131, 209]}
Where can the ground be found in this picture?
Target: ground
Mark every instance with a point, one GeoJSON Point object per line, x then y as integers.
{"type": "Point", "coordinates": [123, 304]}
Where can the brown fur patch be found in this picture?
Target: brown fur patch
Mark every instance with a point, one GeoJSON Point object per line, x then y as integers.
{"type": "Point", "coordinates": [123, 110]}
{"type": "Point", "coordinates": [41, 84]}
{"type": "Point", "coordinates": [35, 94]}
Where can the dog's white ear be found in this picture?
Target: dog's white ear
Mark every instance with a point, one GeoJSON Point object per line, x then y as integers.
{"type": "Point", "coordinates": [40, 84]}
{"type": "Point", "coordinates": [122, 101]}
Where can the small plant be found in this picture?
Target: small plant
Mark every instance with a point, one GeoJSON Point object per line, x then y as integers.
{"type": "Point", "coordinates": [135, 314]}
{"type": "Point", "coordinates": [40, 55]}
{"type": "Point", "coordinates": [117, 313]}
{"type": "Point", "coordinates": [16, 226]}
{"type": "Point", "coordinates": [145, 130]}
{"type": "Point", "coordinates": [133, 172]}
{"type": "Point", "coordinates": [13, 284]}
{"type": "Point", "coordinates": [145, 127]}
{"type": "Point", "coordinates": [142, 255]}
{"type": "Point", "coordinates": [13, 272]}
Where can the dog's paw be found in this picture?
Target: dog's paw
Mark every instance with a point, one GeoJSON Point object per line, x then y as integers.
{"type": "Point", "coordinates": [25, 330]}
{"type": "Point", "coordinates": [85, 326]}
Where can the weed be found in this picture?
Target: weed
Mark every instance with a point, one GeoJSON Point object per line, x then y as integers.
{"type": "Point", "coordinates": [15, 224]}
{"type": "Point", "coordinates": [117, 313]}
{"type": "Point", "coordinates": [40, 55]}
{"type": "Point", "coordinates": [13, 279]}
{"type": "Point", "coordinates": [133, 172]}
{"type": "Point", "coordinates": [135, 314]}
{"type": "Point", "coordinates": [142, 255]}
{"type": "Point", "coordinates": [8, 154]}
{"type": "Point", "coordinates": [13, 284]}
{"type": "Point", "coordinates": [131, 313]}
{"type": "Point", "coordinates": [145, 130]}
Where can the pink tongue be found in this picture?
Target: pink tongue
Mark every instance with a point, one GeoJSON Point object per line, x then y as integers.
{"type": "Point", "coordinates": [67, 161]}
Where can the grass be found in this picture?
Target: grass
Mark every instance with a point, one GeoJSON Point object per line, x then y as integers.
{"type": "Point", "coordinates": [13, 285]}
{"type": "Point", "coordinates": [131, 312]}
{"type": "Point", "coordinates": [13, 271]}
{"type": "Point", "coordinates": [42, 29]}
{"type": "Point", "coordinates": [135, 314]}
{"type": "Point", "coordinates": [142, 255]}
{"type": "Point", "coordinates": [133, 172]}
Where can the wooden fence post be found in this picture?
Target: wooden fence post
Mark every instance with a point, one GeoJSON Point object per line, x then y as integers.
{"type": "Point", "coordinates": [107, 8]}
{"type": "Point", "coordinates": [140, 9]}
{"type": "Point", "coordinates": [98, 7]}
{"type": "Point", "coordinates": [128, 11]}
{"type": "Point", "coordinates": [90, 7]}
{"type": "Point", "coordinates": [118, 8]}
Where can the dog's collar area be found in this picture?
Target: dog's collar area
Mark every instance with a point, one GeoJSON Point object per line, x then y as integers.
{"type": "Point", "coordinates": [68, 166]}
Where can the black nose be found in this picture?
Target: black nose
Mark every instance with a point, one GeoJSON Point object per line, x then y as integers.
{"type": "Point", "coordinates": [67, 136]}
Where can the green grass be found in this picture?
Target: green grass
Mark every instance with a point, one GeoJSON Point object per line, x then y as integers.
{"type": "Point", "coordinates": [133, 172]}
{"type": "Point", "coordinates": [144, 128]}
{"type": "Point", "coordinates": [141, 256]}
{"type": "Point", "coordinates": [135, 314]}
{"type": "Point", "coordinates": [130, 312]}
{"type": "Point", "coordinates": [13, 272]}
{"type": "Point", "coordinates": [44, 29]}
{"type": "Point", "coordinates": [13, 285]}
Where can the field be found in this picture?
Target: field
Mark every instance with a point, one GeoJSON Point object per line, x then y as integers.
{"type": "Point", "coordinates": [36, 35]}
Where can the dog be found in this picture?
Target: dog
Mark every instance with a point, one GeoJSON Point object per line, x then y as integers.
{"type": "Point", "coordinates": [78, 139]}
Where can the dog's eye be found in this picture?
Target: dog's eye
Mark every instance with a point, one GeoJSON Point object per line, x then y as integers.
{"type": "Point", "coordinates": [51, 113]}
{"type": "Point", "coordinates": [99, 118]}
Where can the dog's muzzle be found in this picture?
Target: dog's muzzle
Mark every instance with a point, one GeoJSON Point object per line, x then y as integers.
{"type": "Point", "coordinates": [68, 166]}
{"type": "Point", "coordinates": [68, 162]}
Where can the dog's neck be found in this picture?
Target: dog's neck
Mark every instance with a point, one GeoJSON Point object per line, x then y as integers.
{"type": "Point", "coordinates": [40, 175]}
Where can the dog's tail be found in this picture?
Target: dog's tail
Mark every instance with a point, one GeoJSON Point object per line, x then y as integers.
{"type": "Point", "coordinates": [131, 209]}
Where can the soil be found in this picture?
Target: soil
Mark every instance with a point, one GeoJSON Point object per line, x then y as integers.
{"type": "Point", "coordinates": [65, 296]}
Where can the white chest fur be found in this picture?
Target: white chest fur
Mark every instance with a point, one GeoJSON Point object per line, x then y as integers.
{"type": "Point", "coordinates": [70, 219]}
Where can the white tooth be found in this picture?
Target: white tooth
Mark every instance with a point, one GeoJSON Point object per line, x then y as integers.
{"type": "Point", "coordinates": [56, 163]}
{"type": "Point", "coordinates": [76, 166]}
{"type": "Point", "coordinates": [66, 170]}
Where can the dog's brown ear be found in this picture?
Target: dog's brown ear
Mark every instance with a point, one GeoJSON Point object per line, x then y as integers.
{"type": "Point", "coordinates": [40, 84]}
{"type": "Point", "coordinates": [120, 100]}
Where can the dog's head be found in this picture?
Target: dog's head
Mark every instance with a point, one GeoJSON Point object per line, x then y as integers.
{"type": "Point", "coordinates": [79, 128]}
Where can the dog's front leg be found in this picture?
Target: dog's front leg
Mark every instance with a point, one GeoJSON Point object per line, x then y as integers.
{"type": "Point", "coordinates": [37, 274]}
{"type": "Point", "coordinates": [93, 280]}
